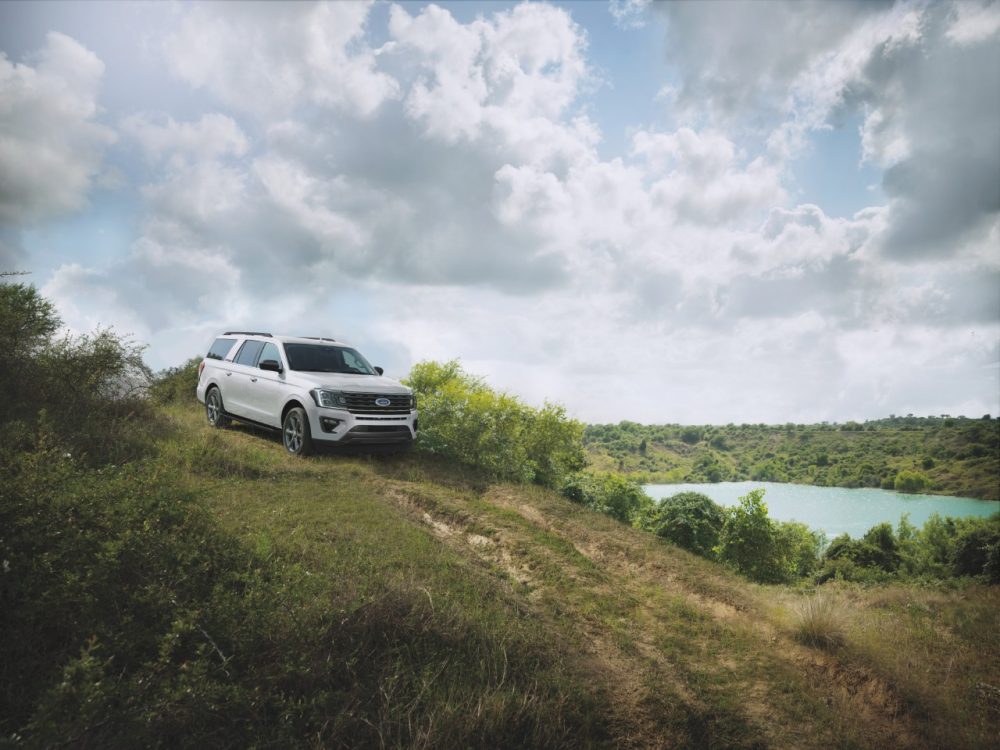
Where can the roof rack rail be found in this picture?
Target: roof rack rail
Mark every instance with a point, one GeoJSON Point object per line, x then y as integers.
{"type": "Point", "coordinates": [317, 338]}
{"type": "Point", "coordinates": [246, 333]}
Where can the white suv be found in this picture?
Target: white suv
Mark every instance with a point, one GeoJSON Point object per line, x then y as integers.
{"type": "Point", "coordinates": [312, 389]}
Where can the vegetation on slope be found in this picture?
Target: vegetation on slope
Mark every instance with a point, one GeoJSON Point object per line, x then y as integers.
{"type": "Point", "coordinates": [150, 599]}
{"type": "Point", "coordinates": [769, 551]}
{"type": "Point", "coordinates": [203, 588]}
{"type": "Point", "coordinates": [947, 455]}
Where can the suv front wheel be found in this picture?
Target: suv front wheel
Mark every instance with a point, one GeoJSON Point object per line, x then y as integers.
{"type": "Point", "coordinates": [295, 432]}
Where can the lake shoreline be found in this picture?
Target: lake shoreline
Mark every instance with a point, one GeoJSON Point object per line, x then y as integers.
{"type": "Point", "coordinates": [645, 480]}
{"type": "Point", "coordinates": [835, 510]}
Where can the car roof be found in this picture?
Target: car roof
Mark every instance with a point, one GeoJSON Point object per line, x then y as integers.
{"type": "Point", "coordinates": [310, 340]}
{"type": "Point", "coordinates": [286, 339]}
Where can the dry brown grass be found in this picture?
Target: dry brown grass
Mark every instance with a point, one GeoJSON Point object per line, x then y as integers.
{"type": "Point", "coordinates": [819, 622]}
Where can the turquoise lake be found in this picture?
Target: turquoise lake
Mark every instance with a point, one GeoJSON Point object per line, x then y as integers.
{"type": "Point", "coordinates": [835, 510]}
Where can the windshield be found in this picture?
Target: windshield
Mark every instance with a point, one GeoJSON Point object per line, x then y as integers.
{"type": "Point", "coordinates": [321, 358]}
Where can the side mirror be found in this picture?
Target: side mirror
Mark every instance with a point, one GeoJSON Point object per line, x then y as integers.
{"type": "Point", "coordinates": [271, 365]}
{"type": "Point", "coordinates": [379, 370]}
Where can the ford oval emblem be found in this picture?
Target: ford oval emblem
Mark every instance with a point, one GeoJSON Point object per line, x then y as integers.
{"type": "Point", "coordinates": [383, 402]}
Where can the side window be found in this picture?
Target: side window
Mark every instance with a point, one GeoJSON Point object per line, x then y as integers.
{"type": "Point", "coordinates": [270, 351]}
{"type": "Point", "coordinates": [248, 353]}
{"type": "Point", "coordinates": [220, 348]}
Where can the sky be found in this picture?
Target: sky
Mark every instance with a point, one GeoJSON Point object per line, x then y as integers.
{"type": "Point", "coordinates": [694, 212]}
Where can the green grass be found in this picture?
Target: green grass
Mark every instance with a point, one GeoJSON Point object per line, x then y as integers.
{"type": "Point", "coordinates": [223, 593]}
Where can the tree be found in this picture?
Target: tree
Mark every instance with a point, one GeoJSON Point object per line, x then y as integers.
{"type": "Point", "coordinates": [750, 541]}
{"type": "Point", "coordinates": [691, 435]}
{"type": "Point", "coordinates": [92, 384]}
{"type": "Point", "coordinates": [802, 546]}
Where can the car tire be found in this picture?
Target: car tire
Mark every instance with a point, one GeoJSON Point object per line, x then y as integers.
{"type": "Point", "coordinates": [295, 434]}
{"type": "Point", "coordinates": [215, 411]}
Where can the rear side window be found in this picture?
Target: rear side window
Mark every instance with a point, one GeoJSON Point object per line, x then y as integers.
{"type": "Point", "coordinates": [248, 353]}
{"type": "Point", "coordinates": [220, 348]}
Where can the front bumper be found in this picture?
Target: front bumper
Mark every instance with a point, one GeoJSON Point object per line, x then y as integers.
{"type": "Point", "coordinates": [358, 429]}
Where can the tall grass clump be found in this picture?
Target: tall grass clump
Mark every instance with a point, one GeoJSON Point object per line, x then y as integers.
{"type": "Point", "coordinates": [464, 419]}
{"type": "Point", "coordinates": [819, 623]}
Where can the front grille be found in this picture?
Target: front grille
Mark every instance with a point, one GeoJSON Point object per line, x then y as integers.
{"type": "Point", "coordinates": [364, 403]}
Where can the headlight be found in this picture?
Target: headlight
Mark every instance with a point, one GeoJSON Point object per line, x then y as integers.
{"type": "Point", "coordinates": [413, 400]}
{"type": "Point", "coordinates": [324, 397]}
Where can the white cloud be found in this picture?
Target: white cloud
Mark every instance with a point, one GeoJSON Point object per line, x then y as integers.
{"type": "Point", "coordinates": [974, 22]}
{"type": "Point", "coordinates": [51, 144]}
{"type": "Point", "coordinates": [214, 135]}
{"type": "Point", "coordinates": [463, 209]}
{"type": "Point", "coordinates": [629, 14]}
{"type": "Point", "coordinates": [512, 77]}
{"type": "Point", "coordinates": [266, 59]}
{"type": "Point", "coordinates": [923, 76]}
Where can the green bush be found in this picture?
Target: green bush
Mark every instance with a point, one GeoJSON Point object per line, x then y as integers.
{"type": "Point", "coordinates": [976, 550]}
{"type": "Point", "coordinates": [613, 494]}
{"type": "Point", "coordinates": [84, 393]}
{"type": "Point", "coordinates": [120, 595]}
{"type": "Point", "coordinates": [910, 481]}
{"type": "Point", "coordinates": [689, 520]}
{"type": "Point", "coordinates": [943, 548]}
{"type": "Point", "coordinates": [802, 546]}
{"type": "Point", "coordinates": [176, 385]}
{"type": "Point", "coordinates": [130, 619]}
{"type": "Point", "coordinates": [464, 419]}
{"type": "Point", "coordinates": [878, 550]}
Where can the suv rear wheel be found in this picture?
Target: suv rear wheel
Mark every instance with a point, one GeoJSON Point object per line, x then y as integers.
{"type": "Point", "coordinates": [214, 409]}
{"type": "Point", "coordinates": [295, 432]}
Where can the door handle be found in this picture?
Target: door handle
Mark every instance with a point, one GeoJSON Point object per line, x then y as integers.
{"type": "Point", "coordinates": [253, 380]}
{"type": "Point", "coordinates": [228, 374]}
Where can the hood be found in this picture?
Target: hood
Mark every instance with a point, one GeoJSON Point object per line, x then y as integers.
{"type": "Point", "coordinates": [356, 383]}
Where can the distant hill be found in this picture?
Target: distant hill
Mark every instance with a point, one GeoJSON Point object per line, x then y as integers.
{"type": "Point", "coordinates": [941, 455]}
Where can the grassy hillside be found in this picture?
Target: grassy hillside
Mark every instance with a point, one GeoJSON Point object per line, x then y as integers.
{"type": "Point", "coordinates": [402, 601]}
{"type": "Point", "coordinates": [945, 455]}
{"type": "Point", "coordinates": [165, 584]}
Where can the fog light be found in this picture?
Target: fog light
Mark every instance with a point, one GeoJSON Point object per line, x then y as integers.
{"type": "Point", "coordinates": [329, 424]}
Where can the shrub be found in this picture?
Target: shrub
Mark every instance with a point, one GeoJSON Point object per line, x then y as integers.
{"type": "Point", "coordinates": [613, 494]}
{"type": "Point", "coordinates": [176, 384]}
{"type": "Point", "coordinates": [464, 419]}
{"type": "Point", "coordinates": [84, 393]}
{"type": "Point", "coordinates": [877, 550]}
{"type": "Point", "coordinates": [976, 549]}
{"type": "Point", "coordinates": [910, 481]}
{"type": "Point", "coordinates": [689, 520]}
